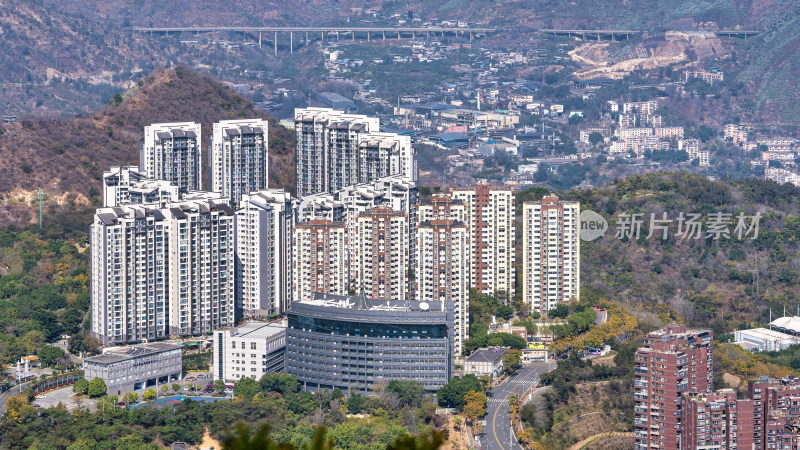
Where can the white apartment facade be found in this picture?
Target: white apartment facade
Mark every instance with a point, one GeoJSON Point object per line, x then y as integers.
{"type": "Point", "coordinates": [327, 148]}
{"type": "Point", "coordinates": [489, 217]}
{"type": "Point", "coordinates": [249, 351]}
{"type": "Point", "coordinates": [128, 186]}
{"type": "Point", "coordinates": [239, 158]}
{"type": "Point", "coordinates": [264, 227]}
{"type": "Point", "coordinates": [335, 150]}
{"type": "Point", "coordinates": [201, 267]}
{"type": "Point", "coordinates": [129, 274]}
{"type": "Point", "coordinates": [319, 259]}
{"type": "Point", "coordinates": [441, 271]}
{"type": "Point", "coordinates": [157, 272]}
{"type": "Point", "coordinates": [172, 152]}
{"type": "Point", "coordinates": [551, 253]}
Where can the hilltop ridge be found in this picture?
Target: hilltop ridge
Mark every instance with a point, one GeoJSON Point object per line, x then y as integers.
{"type": "Point", "coordinates": [66, 157]}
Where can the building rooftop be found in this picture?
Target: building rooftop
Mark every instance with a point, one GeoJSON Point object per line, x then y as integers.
{"type": "Point", "coordinates": [491, 355]}
{"type": "Point", "coordinates": [766, 333]}
{"type": "Point", "coordinates": [119, 354]}
{"type": "Point", "coordinates": [258, 330]}
{"type": "Point", "coordinates": [788, 323]}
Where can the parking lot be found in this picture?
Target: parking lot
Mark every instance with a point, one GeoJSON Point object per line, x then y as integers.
{"type": "Point", "coordinates": [65, 396]}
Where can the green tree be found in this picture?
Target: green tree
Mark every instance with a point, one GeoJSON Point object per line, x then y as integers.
{"type": "Point", "coordinates": [149, 395]}
{"type": "Point", "coordinates": [246, 387]}
{"type": "Point", "coordinates": [81, 386]}
{"type": "Point", "coordinates": [451, 395]}
{"type": "Point", "coordinates": [97, 387]}
{"type": "Point", "coordinates": [431, 442]}
{"type": "Point", "coordinates": [282, 383]}
{"type": "Point", "coordinates": [260, 440]}
{"type": "Point", "coordinates": [560, 311]}
{"type": "Point", "coordinates": [355, 403]}
{"type": "Point", "coordinates": [164, 389]}
{"type": "Point", "coordinates": [49, 354]}
{"type": "Point", "coordinates": [595, 138]}
{"type": "Point", "coordinates": [130, 398]}
{"type": "Point", "coordinates": [512, 361]}
{"type": "Point", "coordinates": [176, 387]}
{"type": "Point", "coordinates": [219, 385]}
{"type": "Point", "coordinates": [409, 392]}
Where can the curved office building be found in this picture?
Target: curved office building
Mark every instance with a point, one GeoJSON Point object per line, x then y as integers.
{"type": "Point", "coordinates": [353, 343]}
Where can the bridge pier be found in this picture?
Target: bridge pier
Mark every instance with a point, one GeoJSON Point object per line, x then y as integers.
{"type": "Point", "coordinates": [291, 42]}
{"type": "Point", "coordinates": [367, 36]}
{"type": "Point", "coordinates": [306, 38]}
{"type": "Point", "coordinates": [354, 35]}
{"type": "Point", "coordinates": [259, 39]}
{"type": "Point", "coordinates": [276, 43]}
{"type": "Point", "coordinates": [470, 36]}
{"type": "Point", "coordinates": [398, 35]}
{"type": "Point", "coordinates": [384, 35]}
{"type": "Point", "coordinates": [337, 35]}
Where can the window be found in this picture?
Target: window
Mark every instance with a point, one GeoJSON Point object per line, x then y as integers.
{"type": "Point", "coordinates": [252, 346]}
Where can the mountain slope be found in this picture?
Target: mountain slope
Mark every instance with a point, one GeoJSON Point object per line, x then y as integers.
{"type": "Point", "coordinates": [717, 283]}
{"type": "Point", "coordinates": [66, 157]}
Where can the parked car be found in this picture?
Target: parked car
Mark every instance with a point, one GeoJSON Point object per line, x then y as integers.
{"type": "Point", "coordinates": [41, 396]}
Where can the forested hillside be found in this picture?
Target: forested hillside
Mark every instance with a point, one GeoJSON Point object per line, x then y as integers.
{"type": "Point", "coordinates": [66, 157]}
{"type": "Point", "coordinates": [719, 283]}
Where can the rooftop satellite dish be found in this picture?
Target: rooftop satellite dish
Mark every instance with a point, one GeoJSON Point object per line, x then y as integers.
{"type": "Point", "coordinates": [424, 306]}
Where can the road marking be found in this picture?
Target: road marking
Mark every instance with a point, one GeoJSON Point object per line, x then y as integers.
{"type": "Point", "coordinates": [494, 428]}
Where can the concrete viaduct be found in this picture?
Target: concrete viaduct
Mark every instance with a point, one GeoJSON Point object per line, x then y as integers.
{"type": "Point", "coordinates": [413, 32]}
{"type": "Point", "coordinates": [368, 32]}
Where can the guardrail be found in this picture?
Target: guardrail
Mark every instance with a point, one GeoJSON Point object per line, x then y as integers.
{"type": "Point", "coordinates": [56, 381]}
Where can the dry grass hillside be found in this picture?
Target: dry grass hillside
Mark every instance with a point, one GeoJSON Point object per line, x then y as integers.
{"type": "Point", "coordinates": [66, 157]}
{"type": "Point", "coordinates": [593, 408]}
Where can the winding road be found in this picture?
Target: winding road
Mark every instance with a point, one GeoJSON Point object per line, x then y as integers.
{"type": "Point", "coordinates": [497, 434]}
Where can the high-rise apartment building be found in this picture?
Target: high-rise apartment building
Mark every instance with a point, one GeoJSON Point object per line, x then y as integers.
{"type": "Point", "coordinates": [672, 361]}
{"type": "Point", "coordinates": [489, 216]}
{"type": "Point", "coordinates": [129, 274]}
{"type": "Point", "coordinates": [172, 152]}
{"type": "Point", "coordinates": [382, 254]}
{"type": "Point", "coordinates": [327, 148]}
{"type": "Point", "coordinates": [201, 267]}
{"type": "Point", "coordinates": [322, 206]}
{"type": "Point", "coordinates": [239, 157]}
{"type": "Point", "coordinates": [157, 272]}
{"type": "Point", "coordinates": [441, 271]}
{"type": "Point", "coordinates": [335, 150]}
{"type": "Point", "coordinates": [718, 421]}
{"type": "Point", "coordinates": [319, 259]}
{"type": "Point", "coordinates": [551, 254]}
{"type": "Point", "coordinates": [128, 186]}
{"type": "Point", "coordinates": [441, 207]}
{"type": "Point", "coordinates": [395, 193]}
{"type": "Point", "coordinates": [264, 228]}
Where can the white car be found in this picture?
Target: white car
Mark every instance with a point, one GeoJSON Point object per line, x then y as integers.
{"type": "Point", "coordinates": [40, 396]}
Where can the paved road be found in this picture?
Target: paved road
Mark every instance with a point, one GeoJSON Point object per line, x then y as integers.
{"type": "Point", "coordinates": [12, 392]}
{"type": "Point", "coordinates": [497, 434]}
